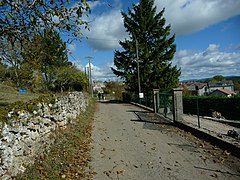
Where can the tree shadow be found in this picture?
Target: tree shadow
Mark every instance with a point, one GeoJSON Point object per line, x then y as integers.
{"type": "Point", "coordinates": [217, 171]}
{"type": "Point", "coordinates": [111, 101]}
{"type": "Point", "coordinates": [145, 121]}
{"type": "Point", "coordinates": [188, 147]}
{"type": "Point", "coordinates": [151, 117]}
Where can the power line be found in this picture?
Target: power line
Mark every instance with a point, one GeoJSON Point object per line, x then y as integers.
{"type": "Point", "coordinates": [101, 39]}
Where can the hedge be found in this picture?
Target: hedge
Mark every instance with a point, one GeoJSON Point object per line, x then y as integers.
{"type": "Point", "coordinates": [229, 107]}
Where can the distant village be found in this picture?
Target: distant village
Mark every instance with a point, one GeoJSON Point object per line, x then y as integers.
{"type": "Point", "coordinates": [218, 85]}
{"type": "Point", "coordinates": [221, 88]}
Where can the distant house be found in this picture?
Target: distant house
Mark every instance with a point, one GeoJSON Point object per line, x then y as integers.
{"type": "Point", "coordinates": [227, 85]}
{"type": "Point", "coordinates": [203, 89]}
{"type": "Point", "coordinates": [98, 87]}
{"type": "Point", "coordinates": [197, 88]}
{"type": "Point", "coordinates": [222, 92]}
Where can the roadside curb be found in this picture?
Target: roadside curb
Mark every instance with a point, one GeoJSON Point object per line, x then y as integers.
{"type": "Point", "coordinates": [225, 143]}
{"type": "Point", "coordinates": [142, 106]}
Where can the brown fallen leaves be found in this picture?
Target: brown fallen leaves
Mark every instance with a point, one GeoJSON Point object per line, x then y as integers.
{"type": "Point", "coordinates": [208, 151]}
{"type": "Point", "coordinates": [70, 155]}
{"type": "Point", "coordinates": [111, 173]}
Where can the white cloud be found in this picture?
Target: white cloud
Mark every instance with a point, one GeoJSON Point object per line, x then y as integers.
{"type": "Point", "coordinates": [106, 31]}
{"type": "Point", "coordinates": [93, 4]}
{"type": "Point", "coordinates": [187, 16]}
{"type": "Point", "coordinates": [182, 53]}
{"type": "Point", "coordinates": [102, 73]}
{"type": "Point", "coordinates": [212, 47]}
{"type": "Point", "coordinates": [207, 63]}
{"type": "Point", "coordinates": [194, 65]}
{"type": "Point", "coordinates": [71, 47]}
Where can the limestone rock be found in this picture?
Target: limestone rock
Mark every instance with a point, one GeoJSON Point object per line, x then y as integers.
{"type": "Point", "coordinates": [27, 135]}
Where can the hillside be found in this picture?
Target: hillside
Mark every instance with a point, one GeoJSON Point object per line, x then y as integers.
{"type": "Point", "coordinates": [9, 95]}
{"type": "Point", "coordinates": [233, 78]}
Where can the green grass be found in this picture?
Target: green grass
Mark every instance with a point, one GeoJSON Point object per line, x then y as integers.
{"type": "Point", "coordinates": [9, 95]}
{"type": "Point", "coordinates": [69, 155]}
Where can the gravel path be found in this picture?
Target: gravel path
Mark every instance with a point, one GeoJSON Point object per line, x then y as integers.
{"type": "Point", "coordinates": [128, 144]}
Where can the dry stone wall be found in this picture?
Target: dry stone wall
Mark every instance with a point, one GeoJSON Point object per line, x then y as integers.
{"type": "Point", "coordinates": [28, 134]}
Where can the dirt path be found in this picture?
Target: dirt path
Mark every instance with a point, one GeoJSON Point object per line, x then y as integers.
{"type": "Point", "coordinates": [126, 147]}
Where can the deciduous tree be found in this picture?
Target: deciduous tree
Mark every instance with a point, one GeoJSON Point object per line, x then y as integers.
{"type": "Point", "coordinates": [20, 20]}
{"type": "Point", "coordinates": [12, 57]}
{"type": "Point", "coordinates": [217, 78]}
{"type": "Point", "coordinates": [47, 51]}
{"type": "Point", "coordinates": [66, 78]}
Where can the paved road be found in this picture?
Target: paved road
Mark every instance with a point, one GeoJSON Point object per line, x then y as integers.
{"type": "Point", "coordinates": [128, 145]}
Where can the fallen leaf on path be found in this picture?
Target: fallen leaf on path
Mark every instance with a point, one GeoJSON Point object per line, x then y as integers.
{"type": "Point", "coordinates": [221, 160]}
{"type": "Point", "coordinates": [226, 153]}
{"type": "Point", "coordinates": [153, 148]}
{"type": "Point", "coordinates": [201, 145]}
{"type": "Point", "coordinates": [135, 166]}
{"type": "Point", "coordinates": [120, 171]}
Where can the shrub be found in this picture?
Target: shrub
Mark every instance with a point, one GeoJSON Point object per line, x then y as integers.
{"type": "Point", "coordinates": [228, 107]}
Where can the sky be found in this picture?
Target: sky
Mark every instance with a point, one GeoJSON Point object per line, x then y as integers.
{"type": "Point", "coordinates": [207, 37]}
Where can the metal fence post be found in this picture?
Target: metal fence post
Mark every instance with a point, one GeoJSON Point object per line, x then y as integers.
{"type": "Point", "coordinates": [198, 113]}
{"type": "Point", "coordinates": [155, 100]}
{"type": "Point", "coordinates": [177, 104]}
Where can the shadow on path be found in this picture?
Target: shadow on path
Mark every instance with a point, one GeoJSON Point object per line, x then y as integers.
{"type": "Point", "coordinates": [151, 120]}
{"type": "Point", "coordinates": [216, 170]}
{"type": "Point", "coordinates": [150, 117]}
{"type": "Point", "coordinates": [111, 101]}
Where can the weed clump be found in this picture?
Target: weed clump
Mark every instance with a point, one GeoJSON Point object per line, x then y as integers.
{"type": "Point", "coordinates": [30, 106]}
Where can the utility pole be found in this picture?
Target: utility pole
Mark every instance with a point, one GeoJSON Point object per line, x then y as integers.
{"type": "Point", "coordinates": [138, 70]}
{"type": "Point", "coordinates": [90, 75]}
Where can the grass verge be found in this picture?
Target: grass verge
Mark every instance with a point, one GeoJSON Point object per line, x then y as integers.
{"type": "Point", "coordinates": [69, 156]}
{"type": "Point", "coordinates": [9, 95]}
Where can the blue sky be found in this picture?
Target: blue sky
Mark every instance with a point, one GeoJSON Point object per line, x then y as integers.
{"type": "Point", "coordinates": [207, 36]}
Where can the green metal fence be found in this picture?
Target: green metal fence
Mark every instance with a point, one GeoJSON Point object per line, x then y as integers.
{"type": "Point", "coordinates": [146, 101]}
{"type": "Point", "coordinates": [164, 103]}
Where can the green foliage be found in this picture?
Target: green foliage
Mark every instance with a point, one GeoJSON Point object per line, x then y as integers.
{"type": "Point", "coordinates": [29, 106]}
{"type": "Point", "coordinates": [228, 107]}
{"type": "Point", "coordinates": [3, 70]}
{"type": "Point", "coordinates": [237, 85]}
{"type": "Point", "coordinates": [3, 115]}
{"type": "Point", "coordinates": [45, 52]}
{"type": "Point", "coordinates": [114, 88]}
{"type": "Point", "coordinates": [45, 66]}
{"type": "Point", "coordinates": [30, 42]}
{"type": "Point", "coordinates": [20, 20]}
{"type": "Point", "coordinates": [217, 78]}
{"type": "Point", "coordinates": [66, 78]}
{"type": "Point", "coordinates": [150, 36]}
{"type": "Point", "coordinates": [11, 56]}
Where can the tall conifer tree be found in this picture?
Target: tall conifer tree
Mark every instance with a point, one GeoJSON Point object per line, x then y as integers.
{"type": "Point", "coordinates": [151, 36]}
